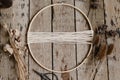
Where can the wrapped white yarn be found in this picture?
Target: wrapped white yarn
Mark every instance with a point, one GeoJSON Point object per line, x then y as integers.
{"type": "Point", "coordinates": [82, 37]}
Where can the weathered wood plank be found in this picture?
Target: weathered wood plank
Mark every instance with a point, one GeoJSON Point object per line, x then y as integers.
{"type": "Point", "coordinates": [112, 11]}
{"type": "Point", "coordinates": [42, 52]}
{"type": "Point", "coordinates": [20, 22]}
{"type": "Point", "coordinates": [62, 20]}
{"type": "Point", "coordinates": [64, 55]}
{"type": "Point", "coordinates": [97, 18]}
{"type": "Point", "coordinates": [17, 18]}
{"type": "Point", "coordinates": [6, 64]}
{"type": "Point", "coordinates": [84, 71]}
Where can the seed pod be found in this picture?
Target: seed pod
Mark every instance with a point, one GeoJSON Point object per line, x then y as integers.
{"type": "Point", "coordinates": [102, 51]}
{"type": "Point", "coordinates": [110, 49]}
{"type": "Point", "coordinates": [96, 40]}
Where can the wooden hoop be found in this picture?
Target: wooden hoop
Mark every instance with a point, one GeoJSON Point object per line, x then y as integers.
{"type": "Point", "coordinates": [91, 45]}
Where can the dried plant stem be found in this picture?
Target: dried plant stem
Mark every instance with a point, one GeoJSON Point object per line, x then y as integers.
{"type": "Point", "coordinates": [20, 64]}
{"type": "Point", "coordinates": [21, 67]}
{"type": "Point", "coordinates": [94, 71]}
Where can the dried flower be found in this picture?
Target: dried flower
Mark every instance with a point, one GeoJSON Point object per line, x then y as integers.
{"type": "Point", "coordinates": [110, 49]}
{"type": "Point", "coordinates": [8, 48]}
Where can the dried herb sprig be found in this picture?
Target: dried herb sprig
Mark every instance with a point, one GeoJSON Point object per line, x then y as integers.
{"type": "Point", "coordinates": [21, 67]}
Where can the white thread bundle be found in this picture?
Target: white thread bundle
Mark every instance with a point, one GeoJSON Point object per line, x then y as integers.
{"type": "Point", "coordinates": [83, 37]}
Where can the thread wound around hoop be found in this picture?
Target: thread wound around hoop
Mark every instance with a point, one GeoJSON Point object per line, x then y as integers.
{"type": "Point", "coordinates": [80, 37]}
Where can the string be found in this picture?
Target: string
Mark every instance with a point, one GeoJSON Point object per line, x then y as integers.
{"type": "Point", "coordinates": [83, 37]}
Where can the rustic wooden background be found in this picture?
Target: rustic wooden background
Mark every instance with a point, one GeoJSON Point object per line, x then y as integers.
{"type": "Point", "coordinates": [61, 57]}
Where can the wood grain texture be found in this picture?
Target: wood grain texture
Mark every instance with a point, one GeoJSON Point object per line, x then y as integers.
{"type": "Point", "coordinates": [42, 52]}
{"type": "Point", "coordinates": [20, 22]}
{"type": "Point", "coordinates": [64, 56]}
{"type": "Point", "coordinates": [61, 56]}
{"type": "Point", "coordinates": [96, 17]}
{"type": "Point", "coordinates": [85, 70]}
{"type": "Point", "coordinates": [6, 65]}
{"type": "Point", "coordinates": [112, 11]}
{"type": "Point", "coordinates": [15, 17]}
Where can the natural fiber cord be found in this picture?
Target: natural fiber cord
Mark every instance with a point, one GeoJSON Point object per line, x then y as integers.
{"type": "Point", "coordinates": [82, 37]}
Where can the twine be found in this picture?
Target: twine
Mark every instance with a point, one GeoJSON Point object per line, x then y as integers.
{"type": "Point", "coordinates": [83, 37]}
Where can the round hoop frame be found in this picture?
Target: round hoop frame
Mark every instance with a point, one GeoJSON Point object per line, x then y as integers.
{"type": "Point", "coordinates": [91, 45]}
